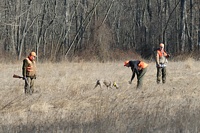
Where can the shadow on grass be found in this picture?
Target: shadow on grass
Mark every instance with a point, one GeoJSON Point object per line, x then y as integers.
{"type": "Point", "coordinates": [183, 121]}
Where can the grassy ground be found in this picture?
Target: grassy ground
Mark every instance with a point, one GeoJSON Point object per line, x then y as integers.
{"type": "Point", "coordinates": [66, 101]}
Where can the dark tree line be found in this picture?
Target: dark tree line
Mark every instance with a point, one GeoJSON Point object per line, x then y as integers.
{"type": "Point", "coordinates": [58, 29]}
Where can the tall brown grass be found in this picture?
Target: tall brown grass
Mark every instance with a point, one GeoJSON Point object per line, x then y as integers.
{"type": "Point", "coordinates": [66, 101]}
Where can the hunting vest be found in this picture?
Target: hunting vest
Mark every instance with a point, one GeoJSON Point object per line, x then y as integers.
{"type": "Point", "coordinates": [162, 56]}
{"type": "Point", "coordinates": [31, 68]}
{"type": "Point", "coordinates": [142, 65]}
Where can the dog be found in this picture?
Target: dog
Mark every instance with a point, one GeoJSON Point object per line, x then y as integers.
{"type": "Point", "coordinates": [107, 83]}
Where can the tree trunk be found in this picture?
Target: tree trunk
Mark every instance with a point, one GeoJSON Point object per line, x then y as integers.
{"type": "Point", "coordinates": [183, 25]}
{"type": "Point", "coordinates": [190, 25]}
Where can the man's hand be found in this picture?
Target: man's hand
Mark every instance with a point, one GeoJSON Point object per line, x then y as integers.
{"type": "Point", "coordinates": [168, 55]}
{"type": "Point", "coordinates": [130, 82]}
{"type": "Point", "coordinates": [158, 65]}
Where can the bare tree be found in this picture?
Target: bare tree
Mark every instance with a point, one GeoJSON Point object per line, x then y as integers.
{"type": "Point", "coordinates": [183, 25]}
{"type": "Point", "coordinates": [65, 29]}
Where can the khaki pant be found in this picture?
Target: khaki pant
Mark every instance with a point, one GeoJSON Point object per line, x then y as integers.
{"type": "Point", "coordinates": [29, 86]}
{"type": "Point", "coordinates": [161, 72]}
{"type": "Point", "coordinates": [140, 77]}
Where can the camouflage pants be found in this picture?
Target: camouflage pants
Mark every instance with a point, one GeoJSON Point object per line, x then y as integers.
{"type": "Point", "coordinates": [161, 72]}
{"type": "Point", "coordinates": [140, 77]}
{"type": "Point", "coordinates": [29, 86]}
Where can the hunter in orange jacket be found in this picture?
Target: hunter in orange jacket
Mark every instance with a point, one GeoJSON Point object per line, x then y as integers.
{"type": "Point", "coordinates": [29, 72]}
{"type": "Point", "coordinates": [139, 68]}
{"type": "Point", "coordinates": [161, 63]}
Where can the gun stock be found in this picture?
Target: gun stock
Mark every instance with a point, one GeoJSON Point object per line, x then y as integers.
{"type": "Point", "coordinates": [17, 76]}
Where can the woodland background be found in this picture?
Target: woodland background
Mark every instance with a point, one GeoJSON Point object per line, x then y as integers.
{"type": "Point", "coordinates": [97, 29]}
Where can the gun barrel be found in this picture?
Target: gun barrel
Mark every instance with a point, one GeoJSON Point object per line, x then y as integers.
{"type": "Point", "coordinates": [17, 76]}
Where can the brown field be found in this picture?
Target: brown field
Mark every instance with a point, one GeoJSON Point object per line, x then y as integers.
{"type": "Point", "coordinates": [66, 101]}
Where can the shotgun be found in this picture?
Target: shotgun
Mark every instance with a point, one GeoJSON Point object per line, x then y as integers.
{"type": "Point", "coordinates": [20, 77]}
{"type": "Point", "coordinates": [17, 76]}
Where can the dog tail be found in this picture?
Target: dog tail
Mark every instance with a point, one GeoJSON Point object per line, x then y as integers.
{"type": "Point", "coordinates": [115, 85]}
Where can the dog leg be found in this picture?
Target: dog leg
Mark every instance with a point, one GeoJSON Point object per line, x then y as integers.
{"type": "Point", "coordinates": [98, 83]}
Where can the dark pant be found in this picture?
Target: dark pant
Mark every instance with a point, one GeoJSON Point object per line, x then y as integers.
{"type": "Point", "coordinates": [29, 85]}
{"type": "Point", "coordinates": [140, 77]}
{"type": "Point", "coordinates": [161, 71]}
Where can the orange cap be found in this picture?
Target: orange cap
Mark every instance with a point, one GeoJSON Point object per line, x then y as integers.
{"type": "Point", "coordinates": [162, 45]}
{"type": "Point", "coordinates": [126, 63]}
{"type": "Point", "coordinates": [33, 54]}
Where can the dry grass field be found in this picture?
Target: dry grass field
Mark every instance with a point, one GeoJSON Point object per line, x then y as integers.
{"type": "Point", "coordinates": [66, 101]}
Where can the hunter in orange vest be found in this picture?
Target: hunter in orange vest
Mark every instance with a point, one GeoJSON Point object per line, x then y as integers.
{"type": "Point", "coordinates": [139, 68]}
{"type": "Point", "coordinates": [161, 63]}
{"type": "Point", "coordinates": [29, 73]}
